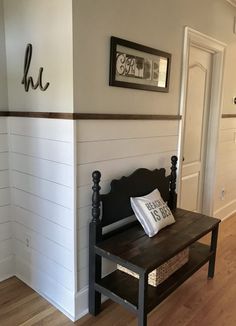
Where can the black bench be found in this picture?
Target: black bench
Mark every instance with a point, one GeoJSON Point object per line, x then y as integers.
{"type": "Point", "coordinates": [130, 247]}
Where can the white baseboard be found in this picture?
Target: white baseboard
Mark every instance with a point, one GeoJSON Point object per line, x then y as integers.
{"type": "Point", "coordinates": [53, 292]}
{"type": "Point", "coordinates": [226, 211]}
{"type": "Point", "coordinates": [81, 303]}
{"type": "Point", "coordinates": [12, 266]}
{"type": "Point", "coordinates": [7, 268]}
{"type": "Point", "coordinates": [60, 308]}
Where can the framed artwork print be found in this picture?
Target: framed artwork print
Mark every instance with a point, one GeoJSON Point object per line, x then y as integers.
{"type": "Point", "coordinates": [133, 65]}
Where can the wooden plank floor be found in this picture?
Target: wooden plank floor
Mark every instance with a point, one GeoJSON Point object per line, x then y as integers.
{"type": "Point", "coordinates": [197, 302]}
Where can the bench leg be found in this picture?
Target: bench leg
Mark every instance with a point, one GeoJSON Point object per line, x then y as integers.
{"type": "Point", "coordinates": [142, 302]}
{"type": "Point", "coordinates": [94, 275]}
{"type": "Point", "coordinates": [214, 237]}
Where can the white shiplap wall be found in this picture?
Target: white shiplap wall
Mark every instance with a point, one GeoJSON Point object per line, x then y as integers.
{"type": "Point", "coordinates": [115, 148]}
{"type": "Point", "coordinates": [6, 252]}
{"type": "Point", "coordinates": [43, 214]}
{"type": "Point", "coordinates": [225, 205]}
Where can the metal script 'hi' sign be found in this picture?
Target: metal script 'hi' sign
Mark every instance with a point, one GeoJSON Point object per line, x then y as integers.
{"type": "Point", "coordinates": [28, 81]}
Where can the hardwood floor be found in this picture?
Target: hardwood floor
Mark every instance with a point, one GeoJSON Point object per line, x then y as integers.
{"type": "Point", "coordinates": [197, 302]}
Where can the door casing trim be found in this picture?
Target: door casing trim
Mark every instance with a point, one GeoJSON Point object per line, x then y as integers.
{"type": "Point", "coordinates": [217, 48]}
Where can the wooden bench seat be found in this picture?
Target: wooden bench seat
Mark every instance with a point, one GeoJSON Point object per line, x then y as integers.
{"type": "Point", "coordinates": [145, 253]}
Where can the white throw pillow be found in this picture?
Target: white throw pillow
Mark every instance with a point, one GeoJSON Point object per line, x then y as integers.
{"type": "Point", "coordinates": [152, 212]}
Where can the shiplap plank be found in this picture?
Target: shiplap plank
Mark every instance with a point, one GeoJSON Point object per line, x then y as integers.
{"type": "Point", "coordinates": [219, 204]}
{"type": "Point", "coordinates": [52, 171]}
{"type": "Point", "coordinates": [229, 123]}
{"type": "Point", "coordinates": [6, 258]}
{"type": "Point", "coordinates": [227, 170]}
{"type": "Point", "coordinates": [3, 126]}
{"type": "Point", "coordinates": [106, 130]}
{"type": "Point", "coordinates": [226, 153]}
{"type": "Point", "coordinates": [83, 238]}
{"type": "Point", "coordinates": [124, 166]}
{"type": "Point", "coordinates": [5, 214]}
{"type": "Point", "coordinates": [4, 197]}
{"type": "Point", "coordinates": [83, 258]}
{"type": "Point", "coordinates": [82, 278]}
{"type": "Point", "coordinates": [6, 268]}
{"type": "Point", "coordinates": [115, 148]}
{"type": "Point", "coordinates": [3, 143]}
{"type": "Point", "coordinates": [226, 160]}
{"type": "Point", "coordinates": [228, 135]}
{"type": "Point", "coordinates": [108, 267]}
{"type": "Point", "coordinates": [44, 208]}
{"type": "Point", "coordinates": [84, 216]}
{"type": "Point", "coordinates": [45, 189]}
{"type": "Point", "coordinates": [54, 129]}
{"type": "Point", "coordinates": [4, 164]}
{"type": "Point", "coordinates": [225, 147]}
{"type": "Point", "coordinates": [6, 248]}
{"type": "Point", "coordinates": [46, 228]}
{"type": "Point", "coordinates": [55, 151]}
{"type": "Point", "coordinates": [44, 246]}
{"type": "Point", "coordinates": [222, 159]}
{"type": "Point", "coordinates": [40, 281]}
{"type": "Point", "coordinates": [42, 167]}
{"type": "Point", "coordinates": [5, 231]}
{"type": "Point", "coordinates": [228, 185]}
{"type": "Point", "coordinates": [46, 265]}
{"type": "Point", "coordinates": [108, 150]}
{"type": "Point", "coordinates": [4, 179]}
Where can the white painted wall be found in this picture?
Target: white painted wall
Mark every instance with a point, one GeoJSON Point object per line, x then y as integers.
{"type": "Point", "coordinates": [6, 250]}
{"type": "Point", "coordinates": [226, 174]}
{"type": "Point", "coordinates": [230, 73]}
{"type": "Point", "coordinates": [225, 204]}
{"type": "Point", "coordinates": [42, 174]}
{"type": "Point", "coordinates": [48, 26]}
{"type": "Point", "coordinates": [102, 146]}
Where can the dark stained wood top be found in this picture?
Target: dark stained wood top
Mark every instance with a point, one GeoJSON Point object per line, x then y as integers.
{"type": "Point", "coordinates": [88, 116]}
{"type": "Point", "coordinates": [124, 288]}
{"type": "Point", "coordinates": [134, 247]}
{"type": "Point", "coordinates": [227, 115]}
{"type": "Point", "coordinates": [114, 116]}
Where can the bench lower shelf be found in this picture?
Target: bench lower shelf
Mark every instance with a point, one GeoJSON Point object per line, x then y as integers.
{"type": "Point", "coordinates": [123, 288]}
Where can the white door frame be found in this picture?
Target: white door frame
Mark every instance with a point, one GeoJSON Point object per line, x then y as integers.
{"type": "Point", "coordinates": [217, 48]}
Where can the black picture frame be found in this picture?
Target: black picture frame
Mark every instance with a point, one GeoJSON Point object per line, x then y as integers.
{"type": "Point", "coordinates": [133, 65]}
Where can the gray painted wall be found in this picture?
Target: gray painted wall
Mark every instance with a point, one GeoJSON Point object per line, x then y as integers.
{"type": "Point", "coordinates": [159, 24]}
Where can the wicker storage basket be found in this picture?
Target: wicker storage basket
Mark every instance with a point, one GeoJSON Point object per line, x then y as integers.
{"type": "Point", "coordinates": [165, 270]}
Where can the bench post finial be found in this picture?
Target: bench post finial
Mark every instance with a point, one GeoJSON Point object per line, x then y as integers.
{"type": "Point", "coordinates": [96, 196]}
{"type": "Point", "coordinates": [95, 235]}
{"type": "Point", "coordinates": [173, 196]}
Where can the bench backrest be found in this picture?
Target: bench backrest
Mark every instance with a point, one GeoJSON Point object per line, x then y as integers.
{"type": "Point", "coordinates": [116, 204]}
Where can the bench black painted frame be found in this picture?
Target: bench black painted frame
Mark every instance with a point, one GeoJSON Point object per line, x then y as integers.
{"type": "Point", "coordinates": [131, 248]}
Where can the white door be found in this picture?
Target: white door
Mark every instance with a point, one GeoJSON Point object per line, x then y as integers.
{"type": "Point", "coordinates": [195, 128]}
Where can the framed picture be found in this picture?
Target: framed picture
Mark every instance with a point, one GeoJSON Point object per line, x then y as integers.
{"type": "Point", "coordinates": [133, 65]}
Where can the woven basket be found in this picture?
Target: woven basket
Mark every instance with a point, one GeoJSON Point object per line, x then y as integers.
{"type": "Point", "coordinates": [160, 274]}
